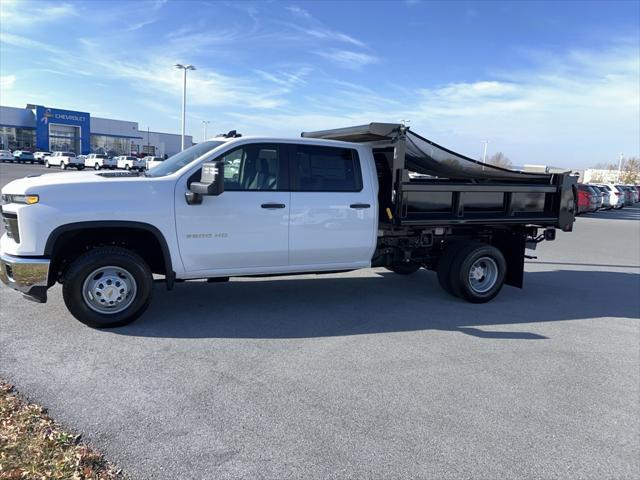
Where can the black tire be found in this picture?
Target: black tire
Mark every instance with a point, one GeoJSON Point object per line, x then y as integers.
{"type": "Point", "coordinates": [96, 166]}
{"type": "Point", "coordinates": [63, 166]}
{"type": "Point", "coordinates": [444, 267]}
{"type": "Point", "coordinates": [461, 265]}
{"type": "Point", "coordinates": [87, 263]}
{"type": "Point", "coordinates": [46, 164]}
{"type": "Point", "coordinates": [404, 268]}
{"type": "Point", "coordinates": [127, 167]}
{"type": "Point", "coordinates": [80, 167]}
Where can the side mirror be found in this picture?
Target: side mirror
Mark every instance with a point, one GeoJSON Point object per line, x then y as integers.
{"type": "Point", "coordinates": [211, 179]}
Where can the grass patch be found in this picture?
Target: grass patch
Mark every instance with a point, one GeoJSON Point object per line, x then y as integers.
{"type": "Point", "coordinates": [33, 446]}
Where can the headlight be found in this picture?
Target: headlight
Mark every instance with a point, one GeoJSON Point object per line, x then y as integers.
{"type": "Point", "coordinates": [26, 199]}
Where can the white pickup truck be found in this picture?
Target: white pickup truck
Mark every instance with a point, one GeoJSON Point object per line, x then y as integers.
{"type": "Point", "coordinates": [100, 161]}
{"type": "Point", "coordinates": [269, 206]}
{"type": "Point", "coordinates": [127, 162]}
{"type": "Point", "coordinates": [64, 160]}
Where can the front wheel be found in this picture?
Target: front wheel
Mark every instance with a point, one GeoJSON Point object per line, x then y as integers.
{"type": "Point", "coordinates": [404, 268]}
{"type": "Point", "coordinates": [80, 167]}
{"type": "Point", "coordinates": [46, 164]}
{"type": "Point", "coordinates": [107, 287]}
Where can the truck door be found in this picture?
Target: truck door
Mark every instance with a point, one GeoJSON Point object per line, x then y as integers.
{"type": "Point", "coordinates": [247, 226]}
{"type": "Point", "coordinates": [333, 208]}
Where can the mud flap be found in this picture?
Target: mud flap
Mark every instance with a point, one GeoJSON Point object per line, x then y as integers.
{"type": "Point", "coordinates": [512, 245]}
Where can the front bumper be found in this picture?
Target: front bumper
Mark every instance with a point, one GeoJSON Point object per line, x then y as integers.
{"type": "Point", "coordinates": [28, 276]}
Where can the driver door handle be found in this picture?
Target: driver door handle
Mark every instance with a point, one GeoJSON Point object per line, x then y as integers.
{"type": "Point", "coordinates": [272, 206]}
{"type": "Point", "coordinates": [360, 205]}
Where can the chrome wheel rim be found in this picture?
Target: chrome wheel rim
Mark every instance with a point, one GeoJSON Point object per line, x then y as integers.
{"type": "Point", "coordinates": [109, 290]}
{"type": "Point", "coordinates": [483, 275]}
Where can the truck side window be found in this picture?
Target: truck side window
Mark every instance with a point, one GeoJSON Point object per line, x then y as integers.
{"type": "Point", "coordinates": [254, 167]}
{"type": "Point", "coordinates": [326, 169]}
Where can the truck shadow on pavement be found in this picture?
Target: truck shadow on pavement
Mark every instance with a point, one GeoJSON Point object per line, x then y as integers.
{"type": "Point", "coordinates": [289, 307]}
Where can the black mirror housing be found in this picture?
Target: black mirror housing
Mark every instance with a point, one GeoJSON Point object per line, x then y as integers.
{"type": "Point", "coordinates": [211, 179]}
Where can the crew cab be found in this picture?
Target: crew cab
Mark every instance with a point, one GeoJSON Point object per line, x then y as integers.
{"type": "Point", "coordinates": [329, 201]}
{"type": "Point", "coordinates": [128, 162]}
{"type": "Point", "coordinates": [63, 160]}
{"type": "Point", "coordinates": [99, 161]}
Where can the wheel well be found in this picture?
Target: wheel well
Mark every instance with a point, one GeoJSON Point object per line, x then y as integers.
{"type": "Point", "coordinates": [70, 244]}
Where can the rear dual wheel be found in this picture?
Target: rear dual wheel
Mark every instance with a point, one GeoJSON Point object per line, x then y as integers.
{"type": "Point", "coordinates": [473, 271]}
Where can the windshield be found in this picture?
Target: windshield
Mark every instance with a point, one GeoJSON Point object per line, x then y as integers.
{"type": "Point", "coordinates": [179, 160]}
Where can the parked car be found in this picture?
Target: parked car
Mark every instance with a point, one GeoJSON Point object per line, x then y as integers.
{"type": "Point", "coordinates": [129, 162]}
{"type": "Point", "coordinates": [628, 196]}
{"type": "Point", "coordinates": [6, 156]}
{"type": "Point", "coordinates": [151, 162]}
{"type": "Point", "coordinates": [634, 193]}
{"type": "Point", "coordinates": [598, 195]}
{"type": "Point", "coordinates": [590, 200]}
{"type": "Point", "coordinates": [606, 197]}
{"type": "Point", "coordinates": [63, 160]}
{"type": "Point", "coordinates": [617, 196]}
{"type": "Point", "coordinates": [99, 161]}
{"type": "Point", "coordinates": [40, 156]}
{"type": "Point", "coordinates": [23, 156]}
{"type": "Point", "coordinates": [583, 201]}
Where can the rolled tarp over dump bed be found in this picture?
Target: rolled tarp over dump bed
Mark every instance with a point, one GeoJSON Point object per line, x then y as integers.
{"type": "Point", "coordinates": [426, 157]}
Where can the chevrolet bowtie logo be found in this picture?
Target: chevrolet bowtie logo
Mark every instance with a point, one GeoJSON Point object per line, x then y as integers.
{"type": "Point", "coordinates": [46, 115]}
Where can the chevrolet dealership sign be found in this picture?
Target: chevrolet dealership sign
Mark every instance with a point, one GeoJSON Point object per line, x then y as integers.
{"type": "Point", "coordinates": [47, 118]}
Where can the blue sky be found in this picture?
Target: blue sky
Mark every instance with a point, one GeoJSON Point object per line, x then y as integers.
{"type": "Point", "coordinates": [543, 82]}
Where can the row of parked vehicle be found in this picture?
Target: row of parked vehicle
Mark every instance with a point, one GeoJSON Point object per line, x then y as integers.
{"type": "Point", "coordinates": [65, 160]}
{"type": "Point", "coordinates": [594, 197]}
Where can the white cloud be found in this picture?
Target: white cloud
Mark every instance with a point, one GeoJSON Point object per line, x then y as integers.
{"type": "Point", "coordinates": [349, 59]}
{"type": "Point", "coordinates": [158, 4]}
{"type": "Point", "coordinates": [14, 13]}
{"type": "Point", "coordinates": [325, 34]}
{"type": "Point", "coordinates": [299, 12]}
{"type": "Point", "coordinates": [27, 43]}
{"type": "Point", "coordinates": [571, 111]}
{"type": "Point", "coordinates": [138, 25]}
{"type": "Point", "coordinates": [7, 81]}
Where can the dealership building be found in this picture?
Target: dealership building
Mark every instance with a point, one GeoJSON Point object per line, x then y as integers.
{"type": "Point", "coordinates": [40, 128]}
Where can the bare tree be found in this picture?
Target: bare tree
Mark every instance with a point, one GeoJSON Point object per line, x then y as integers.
{"type": "Point", "coordinates": [630, 171]}
{"type": "Point", "coordinates": [500, 160]}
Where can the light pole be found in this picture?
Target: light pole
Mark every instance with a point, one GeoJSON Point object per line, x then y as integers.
{"type": "Point", "coordinates": [484, 154]}
{"type": "Point", "coordinates": [204, 125]}
{"type": "Point", "coordinates": [184, 94]}
{"type": "Point", "coordinates": [619, 167]}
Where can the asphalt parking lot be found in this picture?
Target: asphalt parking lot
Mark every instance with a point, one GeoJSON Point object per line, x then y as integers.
{"type": "Point", "coordinates": [359, 375]}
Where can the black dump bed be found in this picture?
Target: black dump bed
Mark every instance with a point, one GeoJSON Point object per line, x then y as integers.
{"type": "Point", "coordinates": [423, 183]}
